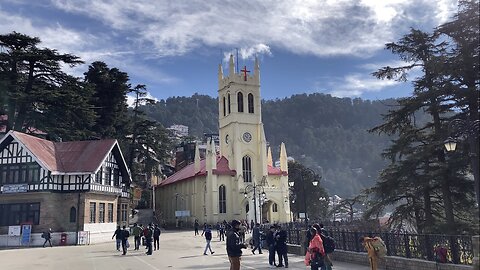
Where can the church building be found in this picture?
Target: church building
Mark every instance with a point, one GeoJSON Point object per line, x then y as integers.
{"type": "Point", "coordinates": [239, 181]}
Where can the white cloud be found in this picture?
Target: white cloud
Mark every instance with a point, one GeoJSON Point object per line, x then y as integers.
{"type": "Point", "coordinates": [354, 85]}
{"type": "Point", "coordinates": [321, 28]}
{"type": "Point", "coordinates": [131, 99]}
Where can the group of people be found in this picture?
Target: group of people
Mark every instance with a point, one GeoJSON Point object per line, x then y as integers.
{"type": "Point", "coordinates": [317, 255]}
{"type": "Point", "coordinates": [276, 240]}
{"type": "Point", "coordinates": [150, 234]}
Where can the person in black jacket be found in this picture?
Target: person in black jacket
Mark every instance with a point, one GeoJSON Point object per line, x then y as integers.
{"type": "Point", "coordinates": [118, 237]}
{"type": "Point", "coordinates": [156, 237]}
{"type": "Point", "coordinates": [148, 238]}
{"type": "Point", "coordinates": [271, 245]}
{"type": "Point", "coordinates": [281, 246]}
{"type": "Point", "coordinates": [124, 234]}
{"type": "Point", "coordinates": [234, 246]}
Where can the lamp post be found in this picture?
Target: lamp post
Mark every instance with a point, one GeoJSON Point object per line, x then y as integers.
{"type": "Point", "coordinates": [315, 182]}
{"type": "Point", "coordinates": [262, 195]}
{"type": "Point", "coordinates": [466, 130]}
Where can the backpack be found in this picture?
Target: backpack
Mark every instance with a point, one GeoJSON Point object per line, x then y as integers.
{"type": "Point", "coordinates": [379, 247]}
{"type": "Point", "coordinates": [328, 244]}
{"type": "Point", "coordinates": [44, 235]}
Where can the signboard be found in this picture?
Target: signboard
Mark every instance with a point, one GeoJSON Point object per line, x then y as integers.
{"type": "Point", "coordinates": [83, 238]}
{"type": "Point", "coordinates": [26, 234]}
{"type": "Point", "coordinates": [14, 230]}
{"type": "Point", "coordinates": [184, 213]}
{"type": "Point", "coordinates": [15, 188]}
{"type": "Point", "coordinates": [301, 215]}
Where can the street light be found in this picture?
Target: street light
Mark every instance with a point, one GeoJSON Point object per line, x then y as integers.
{"type": "Point", "coordinates": [315, 182]}
{"type": "Point", "coordinates": [466, 130]}
{"type": "Point", "coordinates": [261, 196]}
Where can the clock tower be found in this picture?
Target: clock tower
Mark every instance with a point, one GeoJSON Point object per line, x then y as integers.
{"type": "Point", "coordinates": [242, 138]}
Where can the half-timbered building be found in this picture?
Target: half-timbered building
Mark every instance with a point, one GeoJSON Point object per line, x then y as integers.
{"type": "Point", "coordinates": [70, 187]}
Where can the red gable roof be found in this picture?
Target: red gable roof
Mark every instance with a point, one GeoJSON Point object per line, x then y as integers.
{"type": "Point", "coordinates": [67, 157]}
{"type": "Point", "coordinates": [275, 171]}
{"type": "Point", "coordinates": [189, 171]}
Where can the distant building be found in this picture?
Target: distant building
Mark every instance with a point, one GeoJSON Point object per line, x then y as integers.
{"type": "Point", "coordinates": [179, 131]}
{"type": "Point", "coordinates": [67, 186]}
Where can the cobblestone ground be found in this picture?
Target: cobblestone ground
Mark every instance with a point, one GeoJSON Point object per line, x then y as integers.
{"type": "Point", "coordinates": [178, 250]}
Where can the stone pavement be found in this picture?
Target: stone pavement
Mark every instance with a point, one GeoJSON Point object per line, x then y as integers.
{"type": "Point", "coordinates": [178, 250]}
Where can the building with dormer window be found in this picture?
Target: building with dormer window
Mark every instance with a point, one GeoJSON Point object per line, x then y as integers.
{"type": "Point", "coordinates": [70, 187]}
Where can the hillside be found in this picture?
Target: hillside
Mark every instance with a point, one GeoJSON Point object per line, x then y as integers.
{"type": "Point", "coordinates": [325, 133]}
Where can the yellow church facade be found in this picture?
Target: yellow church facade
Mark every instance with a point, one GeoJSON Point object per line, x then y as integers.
{"type": "Point", "coordinates": [239, 181]}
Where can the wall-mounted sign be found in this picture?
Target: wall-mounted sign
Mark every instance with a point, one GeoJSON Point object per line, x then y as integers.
{"type": "Point", "coordinates": [184, 213]}
{"type": "Point", "coordinates": [15, 188]}
{"type": "Point", "coordinates": [14, 230]}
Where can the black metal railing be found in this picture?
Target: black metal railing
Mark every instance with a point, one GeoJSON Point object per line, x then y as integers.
{"type": "Point", "coordinates": [416, 246]}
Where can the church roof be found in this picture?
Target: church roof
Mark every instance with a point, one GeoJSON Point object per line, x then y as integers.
{"type": "Point", "coordinates": [275, 171]}
{"type": "Point", "coordinates": [189, 171]}
{"type": "Point", "coordinates": [68, 157]}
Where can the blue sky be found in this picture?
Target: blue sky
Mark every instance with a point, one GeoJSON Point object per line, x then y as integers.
{"type": "Point", "coordinates": [174, 47]}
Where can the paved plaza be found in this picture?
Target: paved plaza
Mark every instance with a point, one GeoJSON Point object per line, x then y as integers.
{"type": "Point", "coordinates": [178, 250]}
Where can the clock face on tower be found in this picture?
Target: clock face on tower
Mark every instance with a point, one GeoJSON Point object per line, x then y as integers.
{"type": "Point", "coordinates": [247, 137]}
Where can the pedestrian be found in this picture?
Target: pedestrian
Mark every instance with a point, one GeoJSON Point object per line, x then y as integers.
{"type": "Point", "coordinates": [124, 234]}
{"type": "Point", "coordinates": [208, 238]}
{"type": "Point", "coordinates": [281, 246]}
{"type": "Point", "coordinates": [234, 245]}
{"type": "Point", "coordinates": [324, 236]}
{"type": "Point", "coordinates": [241, 232]}
{"type": "Point", "coordinates": [252, 224]}
{"type": "Point", "coordinates": [156, 237]}
{"type": "Point", "coordinates": [144, 233]}
{"type": "Point", "coordinates": [315, 252]}
{"type": "Point", "coordinates": [271, 246]}
{"type": "Point", "coordinates": [48, 237]}
{"type": "Point", "coordinates": [256, 239]}
{"type": "Point", "coordinates": [222, 232]}
{"type": "Point", "coordinates": [369, 244]}
{"type": "Point", "coordinates": [118, 237]}
{"type": "Point", "coordinates": [137, 235]}
{"type": "Point", "coordinates": [148, 238]}
{"type": "Point", "coordinates": [195, 226]}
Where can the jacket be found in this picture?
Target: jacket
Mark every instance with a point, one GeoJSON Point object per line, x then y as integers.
{"type": "Point", "coordinates": [256, 233]}
{"type": "Point", "coordinates": [270, 238]}
{"type": "Point", "coordinates": [234, 247]}
{"type": "Point", "coordinates": [136, 231]}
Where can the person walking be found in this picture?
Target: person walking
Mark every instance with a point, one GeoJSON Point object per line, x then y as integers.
{"type": "Point", "coordinates": [367, 243]}
{"type": "Point", "coordinates": [48, 237]}
{"type": "Point", "coordinates": [156, 237]}
{"type": "Point", "coordinates": [271, 246]}
{"type": "Point", "coordinates": [148, 238]}
{"type": "Point", "coordinates": [118, 237]}
{"type": "Point", "coordinates": [208, 238]}
{"type": "Point", "coordinates": [137, 235]}
{"type": "Point", "coordinates": [315, 252]}
{"type": "Point", "coordinates": [281, 246]}
{"type": "Point", "coordinates": [234, 245]}
{"type": "Point", "coordinates": [323, 235]}
{"type": "Point", "coordinates": [256, 239]}
{"type": "Point", "coordinates": [196, 225]}
{"type": "Point", "coordinates": [124, 234]}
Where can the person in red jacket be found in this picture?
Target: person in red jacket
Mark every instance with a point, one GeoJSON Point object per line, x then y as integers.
{"type": "Point", "coordinates": [315, 252]}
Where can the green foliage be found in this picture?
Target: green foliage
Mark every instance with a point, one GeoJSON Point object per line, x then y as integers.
{"type": "Point", "coordinates": [325, 133]}
{"type": "Point", "coordinates": [430, 190]}
{"type": "Point", "coordinates": [304, 195]}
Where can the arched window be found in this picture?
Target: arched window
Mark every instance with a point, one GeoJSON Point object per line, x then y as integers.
{"type": "Point", "coordinates": [275, 208]}
{"type": "Point", "coordinates": [222, 200]}
{"type": "Point", "coordinates": [247, 208]}
{"type": "Point", "coordinates": [240, 101]}
{"type": "Point", "coordinates": [73, 214]}
{"type": "Point", "coordinates": [229, 103]}
{"type": "Point", "coordinates": [247, 169]}
{"type": "Point", "coordinates": [250, 103]}
{"type": "Point", "coordinates": [224, 107]}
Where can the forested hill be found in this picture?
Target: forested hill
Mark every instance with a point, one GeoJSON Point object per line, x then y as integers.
{"type": "Point", "coordinates": [325, 133]}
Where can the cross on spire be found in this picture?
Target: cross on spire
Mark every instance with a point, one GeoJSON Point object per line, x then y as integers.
{"type": "Point", "coordinates": [245, 71]}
